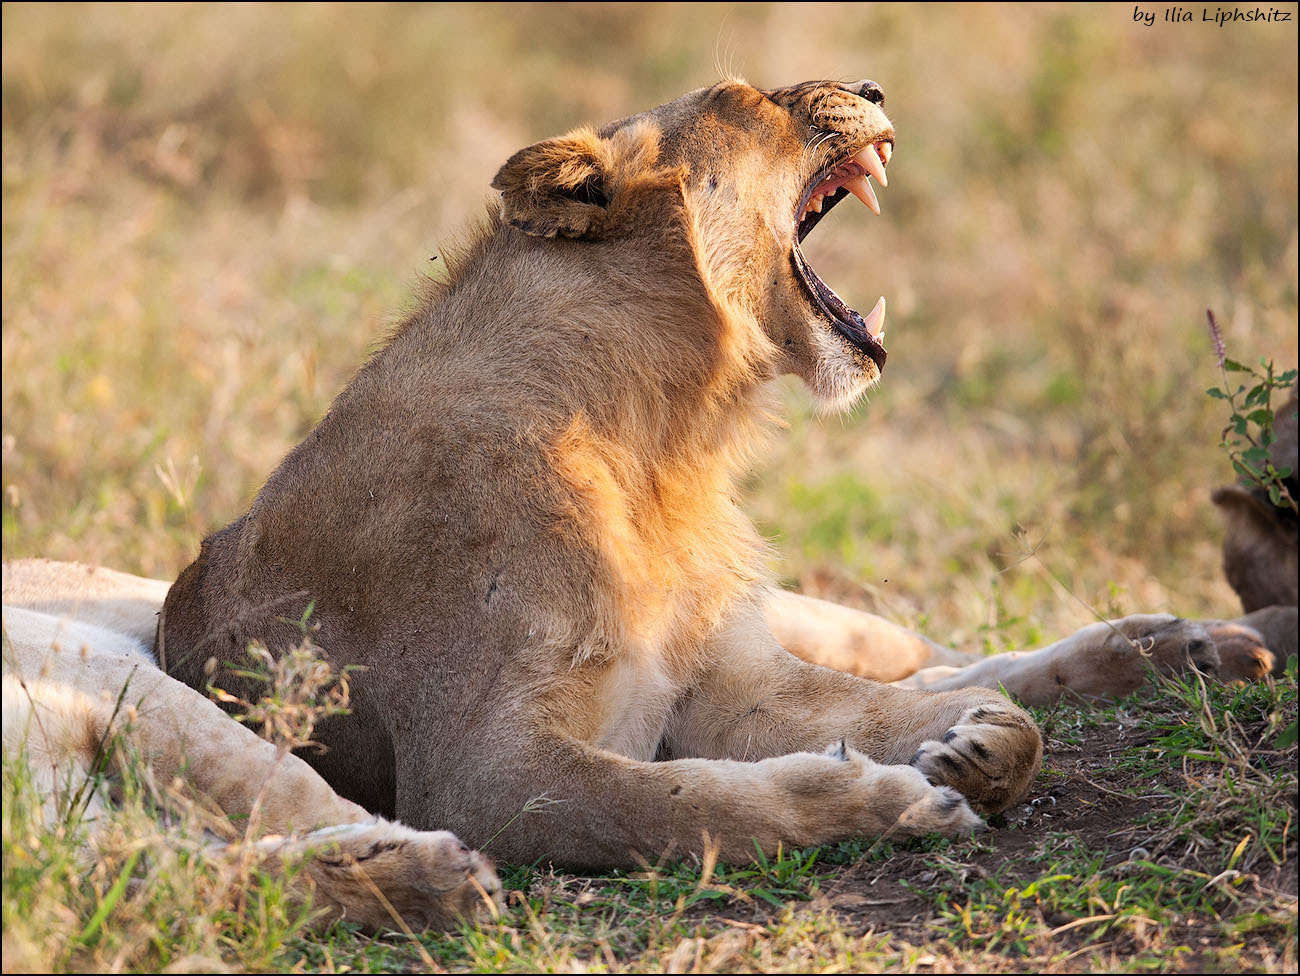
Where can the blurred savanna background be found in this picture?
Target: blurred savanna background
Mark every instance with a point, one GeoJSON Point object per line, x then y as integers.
{"type": "Point", "coordinates": [214, 213]}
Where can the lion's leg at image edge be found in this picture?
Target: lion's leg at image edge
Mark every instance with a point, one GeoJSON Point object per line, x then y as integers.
{"type": "Point", "coordinates": [1107, 660]}
{"type": "Point", "coordinates": [69, 690]}
{"type": "Point", "coordinates": [1104, 660]}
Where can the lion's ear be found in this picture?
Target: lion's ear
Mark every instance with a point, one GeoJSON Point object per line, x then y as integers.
{"type": "Point", "coordinates": [561, 186]}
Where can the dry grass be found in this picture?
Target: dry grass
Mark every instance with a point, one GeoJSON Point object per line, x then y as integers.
{"type": "Point", "coordinates": [162, 882]}
{"type": "Point", "coordinates": [212, 214]}
{"type": "Point", "coordinates": [198, 252]}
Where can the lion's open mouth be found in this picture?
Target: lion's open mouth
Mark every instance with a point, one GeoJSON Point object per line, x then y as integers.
{"type": "Point", "coordinates": [850, 176]}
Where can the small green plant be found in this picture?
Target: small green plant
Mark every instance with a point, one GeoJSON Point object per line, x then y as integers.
{"type": "Point", "coordinates": [1249, 435]}
{"type": "Point", "coordinates": [139, 885]}
{"type": "Point", "coordinates": [302, 688]}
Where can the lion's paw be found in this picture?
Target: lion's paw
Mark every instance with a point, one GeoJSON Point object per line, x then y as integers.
{"type": "Point", "coordinates": [990, 756]}
{"type": "Point", "coordinates": [939, 810]}
{"type": "Point", "coordinates": [898, 801]}
{"type": "Point", "coordinates": [370, 872]}
{"type": "Point", "coordinates": [1243, 654]}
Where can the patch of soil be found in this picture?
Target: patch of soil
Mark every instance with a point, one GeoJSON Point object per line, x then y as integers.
{"type": "Point", "coordinates": [1077, 793]}
{"type": "Point", "coordinates": [1089, 793]}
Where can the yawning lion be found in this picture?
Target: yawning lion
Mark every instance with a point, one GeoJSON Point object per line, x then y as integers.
{"type": "Point", "coordinates": [519, 520]}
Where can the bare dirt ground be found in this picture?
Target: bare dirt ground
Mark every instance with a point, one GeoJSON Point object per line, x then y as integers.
{"type": "Point", "coordinates": [1110, 795]}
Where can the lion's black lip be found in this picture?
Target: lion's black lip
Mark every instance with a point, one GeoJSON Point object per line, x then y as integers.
{"type": "Point", "coordinates": [846, 321]}
{"type": "Point", "coordinates": [810, 221]}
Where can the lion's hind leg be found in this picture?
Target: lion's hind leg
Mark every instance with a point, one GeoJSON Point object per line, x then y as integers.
{"type": "Point", "coordinates": [839, 637]}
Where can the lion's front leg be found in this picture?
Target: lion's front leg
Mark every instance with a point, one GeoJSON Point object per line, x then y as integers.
{"type": "Point", "coordinates": [527, 795]}
{"type": "Point", "coordinates": [756, 700]}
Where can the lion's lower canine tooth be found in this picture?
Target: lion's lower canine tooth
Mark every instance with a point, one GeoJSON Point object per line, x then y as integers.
{"type": "Point", "coordinates": [875, 321]}
{"type": "Point", "coordinates": [861, 188]}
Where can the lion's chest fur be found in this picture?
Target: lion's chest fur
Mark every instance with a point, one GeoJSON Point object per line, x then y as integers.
{"type": "Point", "coordinates": [675, 547]}
{"type": "Point", "coordinates": [674, 554]}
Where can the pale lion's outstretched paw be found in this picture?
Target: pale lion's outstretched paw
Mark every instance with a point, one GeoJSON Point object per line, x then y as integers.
{"type": "Point", "coordinates": [370, 872]}
{"type": "Point", "coordinates": [990, 756]}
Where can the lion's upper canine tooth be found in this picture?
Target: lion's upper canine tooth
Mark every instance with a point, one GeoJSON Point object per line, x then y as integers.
{"type": "Point", "coordinates": [870, 161]}
{"type": "Point", "coordinates": [860, 187]}
{"type": "Point", "coordinates": [816, 202]}
{"type": "Point", "coordinates": [875, 321]}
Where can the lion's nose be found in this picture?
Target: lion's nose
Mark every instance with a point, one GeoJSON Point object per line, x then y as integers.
{"type": "Point", "coordinates": [869, 90]}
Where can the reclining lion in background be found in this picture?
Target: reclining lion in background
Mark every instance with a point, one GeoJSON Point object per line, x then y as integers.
{"type": "Point", "coordinates": [519, 518]}
{"type": "Point", "coordinates": [1260, 545]}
